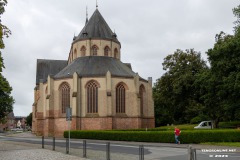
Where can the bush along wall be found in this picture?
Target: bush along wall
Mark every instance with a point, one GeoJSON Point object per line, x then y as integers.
{"type": "Point", "coordinates": [192, 136]}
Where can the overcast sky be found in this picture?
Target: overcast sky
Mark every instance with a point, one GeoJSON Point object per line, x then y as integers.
{"type": "Point", "coordinates": [148, 32]}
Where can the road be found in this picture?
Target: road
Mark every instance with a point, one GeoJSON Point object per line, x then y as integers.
{"type": "Point", "coordinates": [151, 151]}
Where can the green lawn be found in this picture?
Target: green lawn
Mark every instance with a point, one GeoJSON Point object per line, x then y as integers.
{"type": "Point", "coordinates": [231, 144]}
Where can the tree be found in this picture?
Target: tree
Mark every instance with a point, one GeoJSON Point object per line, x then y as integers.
{"type": "Point", "coordinates": [220, 86]}
{"type": "Point", "coordinates": [174, 93]}
{"type": "Point", "coordinates": [236, 12]}
{"type": "Point", "coordinates": [206, 84]}
{"type": "Point", "coordinates": [29, 119]}
{"type": "Point", "coordinates": [224, 78]}
{"type": "Point", "coordinates": [6, 100]}
{"type": "Point", "coordinates": [213, 92]}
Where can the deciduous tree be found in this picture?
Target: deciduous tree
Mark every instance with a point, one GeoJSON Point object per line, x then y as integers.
{"type": "Point", "coordinates": [29, 119]}
{"type": "Point", "coordinates": [174, 93]}
{"type": "Point", "coordinates": [6, 100]}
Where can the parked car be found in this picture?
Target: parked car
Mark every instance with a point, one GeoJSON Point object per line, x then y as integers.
{"type": "Point", "coordinates": [17, 129]}
{"type": "Point", "coordinates": [204, 125]}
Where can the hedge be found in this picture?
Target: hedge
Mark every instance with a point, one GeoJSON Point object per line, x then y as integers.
{"type": "Point", "coordinates": [233, 124]}
{"type": "Point", "coordinates": [192, 136]}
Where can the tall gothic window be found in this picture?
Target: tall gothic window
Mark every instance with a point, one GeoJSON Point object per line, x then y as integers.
{"type": "Point", "coordinates": [115, 53]}
{"type": "Point", "coordinates": [120, 98]}
{"type": "Point", "coordinates": [64, 96]}
{"type": "Point", "coordinates": [141, 95]}
{"type": "Point", "coordinates": [106, 51]}
{"type": "Point", "coordinates": [94, 50]}
{"type": "Point", "coordinates": [92, 97]}
{"type": "Point", "coordinates": [83, 51]}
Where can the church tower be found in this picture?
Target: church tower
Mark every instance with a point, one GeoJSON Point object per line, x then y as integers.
{"type": "Point", "coordinates": [103, 92]}
{"type": "Point", "coordinates": [95, 39]}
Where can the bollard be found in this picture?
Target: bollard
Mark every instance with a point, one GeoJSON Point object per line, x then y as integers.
{"type": "Point", "coordinates": [42, 141]}
{"type": "Point", "coordinates": [67, 147]}
{"type": "Point", "coordinates": [194, 154]}
{"type": "Point", "coordinates": [53, 144]}
{"type": "Point", "coordinates": [141, 152]}
{"type": "Point", "coordinates": [189, 152]}
{"type": "Point", "coordinates": [84, 149]}
{"type": "Point", "coordinates": [108, 150]}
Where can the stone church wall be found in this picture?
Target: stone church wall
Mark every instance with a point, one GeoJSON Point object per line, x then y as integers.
{"type": "Point", "coordinates": [51, 121]}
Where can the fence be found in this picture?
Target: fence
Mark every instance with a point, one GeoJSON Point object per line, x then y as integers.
{"type": "Point", "coordinates": [84, 149]}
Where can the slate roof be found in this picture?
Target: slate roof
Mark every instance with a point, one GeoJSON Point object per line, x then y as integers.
{"type": "Point", "coordinates": [89, 66]}
{"type": "Point", "coordinates": [95, 66]}
{"type": "Point", "coordinates": [48, 67]}
{"type": "Point", "coordinates": [96, 27]}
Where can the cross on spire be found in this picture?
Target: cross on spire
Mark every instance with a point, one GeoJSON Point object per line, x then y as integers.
{"type": "Point", "coordinates": [96, 4]}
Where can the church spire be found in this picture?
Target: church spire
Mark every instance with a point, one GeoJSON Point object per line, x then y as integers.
{"type": "Point", "coordinates": [86, 15]}
{"type": "Point", "coordinates": [97, 28]}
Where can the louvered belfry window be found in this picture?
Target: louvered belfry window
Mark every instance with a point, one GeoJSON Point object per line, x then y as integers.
{"type": "Point", "coordinates": [106, 51]}
{"type": "Point", "coordinates": [75, 53]}
{"type": "Point", "coordinates": [94, 50]}
{"type": "Point", "coordinates": [92, 97]}
{"type": "Point", "coordinates": [115, 53]}
{"type": "Point", "coordinates": [83, 51]}
{"type": "Point", "coordinates": [65, 96]}
{"type": "Point", "coordinates": [120, 99]}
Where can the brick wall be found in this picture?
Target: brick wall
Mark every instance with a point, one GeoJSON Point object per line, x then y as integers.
{"type": "Point", "coordinates": [104, 123]}
{"type": "Point", "coordinates": [126, 123]}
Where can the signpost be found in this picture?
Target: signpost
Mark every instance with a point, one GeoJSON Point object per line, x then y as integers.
{"type": "Point", "coordinates": [69, 119]}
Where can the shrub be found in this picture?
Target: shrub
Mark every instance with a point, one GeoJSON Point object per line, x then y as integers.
{"type": "Point", "coordinates": [192, 136]}
{"type": "Point", "coordinates": [234, 124]}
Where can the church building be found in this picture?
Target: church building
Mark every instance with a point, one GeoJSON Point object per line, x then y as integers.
{"type": "Point", "coordinates": [103, 92]}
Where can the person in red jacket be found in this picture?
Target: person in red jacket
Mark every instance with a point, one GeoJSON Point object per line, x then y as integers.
{"type": "Point", "coordinates": [177, 134]}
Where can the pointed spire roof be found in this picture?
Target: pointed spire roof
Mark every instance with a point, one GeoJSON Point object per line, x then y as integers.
{"type": "Point", "coordinates": [86, 16]}
{"type": "Point", "coordinates": [97, 27]}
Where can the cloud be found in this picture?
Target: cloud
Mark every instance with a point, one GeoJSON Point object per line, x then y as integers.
{"type": "Point", "coordinates": [148, 32]}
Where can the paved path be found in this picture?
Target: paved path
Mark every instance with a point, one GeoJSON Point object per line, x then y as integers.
{"type": "Point", "coordinates": [23, 151]}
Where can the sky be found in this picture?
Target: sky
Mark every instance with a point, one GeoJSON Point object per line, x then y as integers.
{"type": "Point", "coordinates": [148, 32]}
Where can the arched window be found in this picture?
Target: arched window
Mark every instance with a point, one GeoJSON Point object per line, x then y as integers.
{"type": "Point", "coordinates": [64, 96]}
{"type": "Point", "coordinates": [120, 98]}
{"type": "Point", "coordinates": [141, 96]}
{"type": "Point", "coordinates": [75, 53]}
{"type": "Point", "coordinates": [115, 53]}
{"type": "Point", "coordinates": [106, 51]}
{"type": "Point", "coordinates": [83, 51]}
{"type": "Point", "coordinates": [92, 97]}
{"type": "Point", "coordinates": [94, 50]}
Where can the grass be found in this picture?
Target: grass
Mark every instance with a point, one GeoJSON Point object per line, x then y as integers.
{"type": "Point", "coordinates": [229, 144]}
{"type": "Point", "coordinates": [222, 125]}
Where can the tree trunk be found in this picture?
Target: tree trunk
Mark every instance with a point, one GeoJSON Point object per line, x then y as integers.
{"type": "Point", "coordinates": [215, 123]}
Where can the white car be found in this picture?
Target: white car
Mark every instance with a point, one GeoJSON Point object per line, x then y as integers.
{"type": "Point", "coordinates": [17, 129]}
{"type": "Point", "coordinates": [204, 125]}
